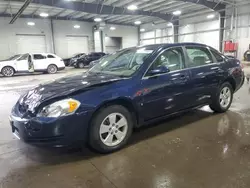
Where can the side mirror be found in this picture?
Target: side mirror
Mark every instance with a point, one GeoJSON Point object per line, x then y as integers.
{"type": "Point", "coordinates": [159, 70]}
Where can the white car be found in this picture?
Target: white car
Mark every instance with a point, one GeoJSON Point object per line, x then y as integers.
{"type": "Point", "coordinates": [37, 62]}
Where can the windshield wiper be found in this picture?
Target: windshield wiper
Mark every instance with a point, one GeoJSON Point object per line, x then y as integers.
{"type": "Point", "coordinates": [122, 76]}
{"type": "Point", "coordinates": [95, 73]}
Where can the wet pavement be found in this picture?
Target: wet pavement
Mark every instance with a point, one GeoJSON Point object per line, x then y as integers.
{"type": "Point", "coordinates": [197, 149]}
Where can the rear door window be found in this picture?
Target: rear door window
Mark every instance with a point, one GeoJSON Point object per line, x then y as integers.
{"type": "Point", "coordinates": [38, 56]}
{"type": "Point", "coordinates": [50, 56]}
{"type": "Point", "coordinates": [198, 56]}
{"type": "Point", "coordinates": [217, 55]}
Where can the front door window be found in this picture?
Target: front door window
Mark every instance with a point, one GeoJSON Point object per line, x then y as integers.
{"type": "Point", "coordinates": [173, 59]}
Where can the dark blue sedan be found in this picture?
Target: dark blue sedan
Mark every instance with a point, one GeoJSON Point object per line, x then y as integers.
{"type": "Point", "coordinates": [128, 89]}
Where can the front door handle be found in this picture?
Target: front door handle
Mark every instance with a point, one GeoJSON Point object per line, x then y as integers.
{"type": "Point", "coordinates": [183, 76]}
{"type": "Point", "coordinates": [216, 69]}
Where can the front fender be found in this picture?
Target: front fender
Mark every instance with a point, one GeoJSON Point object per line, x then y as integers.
{"type": "Point", "coordinates": [5, 64]}
{"type": "Point", "coordinates": [125, 102]}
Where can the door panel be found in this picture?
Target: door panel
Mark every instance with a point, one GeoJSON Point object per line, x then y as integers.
{"type": "Point", "coordinates": [166, 94]}
{"type": "Point", "coordinates": [22, 65]}
{"type": "Point", "coordinates": [205, 80]}
{"type": "Point", "coordinates": [40, 62]}
{"type": "Point", "coordinates": [205, 73]}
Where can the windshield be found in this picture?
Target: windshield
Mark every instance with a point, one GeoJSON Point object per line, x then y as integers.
{"type": "Point", "coordinates": [82, 55]}
{"type": "Point", "coordinates": [78, 55]}
{"type": "Point", "coordinates": [122, 63]}
{"type": "Point", "coordinates": [24, 57]}
{"type": "Point", "coordinates": [14, 57]}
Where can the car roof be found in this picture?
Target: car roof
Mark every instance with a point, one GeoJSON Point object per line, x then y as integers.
{"type": "Point", "coordinates": [166, 45]}
{"type": "Point", "coordinates": [43, 53]}
{"type": "Point", "coordinates": [97, 53]}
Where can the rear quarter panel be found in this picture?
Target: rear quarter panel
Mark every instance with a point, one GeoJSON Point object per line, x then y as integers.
{"type": "Point", "coordinates": [56, 61]}
{"type": "Point", "coordinates": [235, 72]}
{"type": "Point", "coordinates": [59, 63]}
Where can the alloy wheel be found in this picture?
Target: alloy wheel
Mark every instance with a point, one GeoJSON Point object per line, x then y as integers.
{"type": "Point", "coordinates": [81, 65]}
{"type": "Point", "coordinates": [113, 129]}
{"type": "Point", "coordinates": [52, 69]}
{"type": "Point", "coordinates": [8, 71]}
{"type": "Point", "coordinates": [225, 97]}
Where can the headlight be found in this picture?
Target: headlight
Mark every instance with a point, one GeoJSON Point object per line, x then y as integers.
{"type": "Point", "coordinates": [60, 108]}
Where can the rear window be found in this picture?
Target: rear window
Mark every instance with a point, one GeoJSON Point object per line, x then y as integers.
{"type": "Point", "coordinates": [51, 56]}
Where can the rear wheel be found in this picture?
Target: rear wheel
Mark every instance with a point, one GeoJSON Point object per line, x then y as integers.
{"type": "Point", "coordinates": [8, 71]}
{"type": "Point", "coordinates": [52, 69]}
{"type": "Point", "coordinates": [110, 129]}
{"type": "Point", "coordinates": [223, 99]}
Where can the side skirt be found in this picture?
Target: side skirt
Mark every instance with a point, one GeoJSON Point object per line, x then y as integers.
{"type": "Point", "coordinates": [142, 123]}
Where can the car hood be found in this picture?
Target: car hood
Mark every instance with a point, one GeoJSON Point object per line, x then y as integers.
{"type": "Point", "coordinates": [6, 61]}
{"type": "Point", "coordinates": [82, 57]}
{"type": "Point", "coordinates": [64, 87]}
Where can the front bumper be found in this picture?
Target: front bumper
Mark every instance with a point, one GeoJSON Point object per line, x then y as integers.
{"type": "Point", "coordinates": [72, 63]}
{"type": "Point", "coordinates": [55, 132]}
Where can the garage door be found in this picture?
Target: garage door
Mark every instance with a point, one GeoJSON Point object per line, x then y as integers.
{"type": "Point", "coordinates": [209, 38]}
{"type": "Point", "coordinates": [31, 44]}
{"type": "Point", "coordinates": [77, 44]}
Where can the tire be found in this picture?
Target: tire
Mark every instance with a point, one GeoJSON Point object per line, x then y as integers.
{"type": "Point", "coordinates": [116, 134]}
{"type": "Point", "coordinates": [8, 71]}
{"type": "Point", "coordinates": [81, 65]}
{"type": "Point", "coordinates": [52, 69]}
{"type": "Point", "coordinates": [217, 104]}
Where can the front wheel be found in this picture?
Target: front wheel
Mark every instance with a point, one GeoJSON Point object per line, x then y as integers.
{"type": "Point", "coordinates": [81, 65]}
{"type": "Point", "coordinates": [223, 99]}
{"type": "Point", "coordinates": [110, 129]}
{"type": "Point", "coordinates": [8, 71]}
